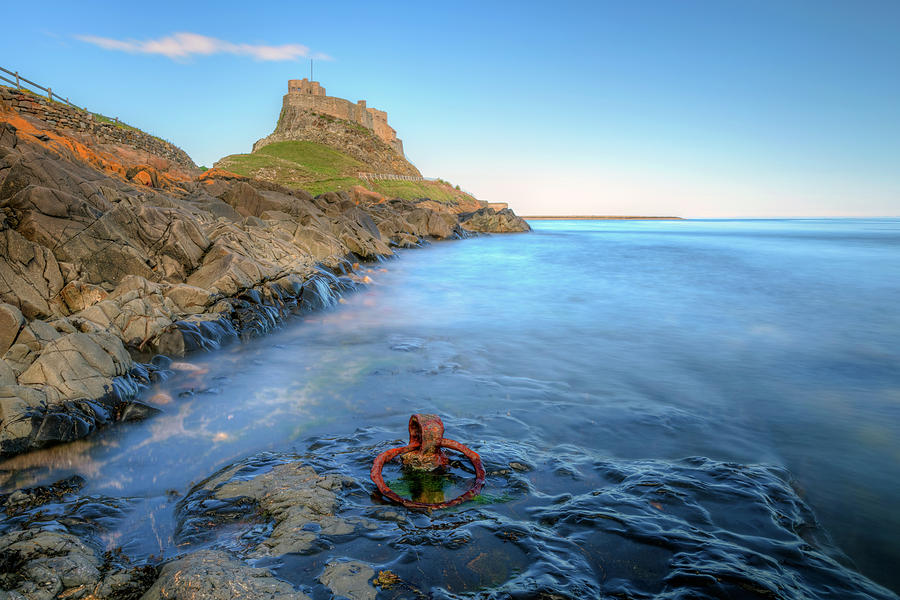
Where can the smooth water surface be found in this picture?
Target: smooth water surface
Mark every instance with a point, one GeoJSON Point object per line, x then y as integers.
{"type": "Point", "coordinates": [596, 352]}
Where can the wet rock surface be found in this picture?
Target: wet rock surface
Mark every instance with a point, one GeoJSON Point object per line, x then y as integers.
{"type": "Point", "coordinates": [105, 261]}
{"type": "Point", "coordinates": [298, 505]}
{"type": "Point", "coordinates": [555, 523]}
{"type": "Point", "coordinates": [350, 579]}
{"type": "Point", "coordinates": [215, 575]}
{"type": "Point", "coordinates": [51, 547]}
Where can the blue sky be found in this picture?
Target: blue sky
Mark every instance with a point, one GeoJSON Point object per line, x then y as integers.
{"type": "Point", "coordinates": [702, 109]}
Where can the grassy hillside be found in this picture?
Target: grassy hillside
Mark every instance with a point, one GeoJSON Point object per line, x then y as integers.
{"type": "Point", "coordinates": [317, 168]}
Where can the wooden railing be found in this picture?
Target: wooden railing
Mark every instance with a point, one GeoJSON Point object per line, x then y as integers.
{"type": "Point", "coordinates": [394, 177]}
{"type": "Point", "coordinates": [20, 79]}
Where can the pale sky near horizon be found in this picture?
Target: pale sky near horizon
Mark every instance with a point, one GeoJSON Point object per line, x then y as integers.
{"type": "Point", "coordinates": [691, 108]}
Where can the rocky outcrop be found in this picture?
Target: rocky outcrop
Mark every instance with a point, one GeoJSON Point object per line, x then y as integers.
{"type": "Point", "coordinates": [488, 220]}
{"type": "Point", "coordinates": [297, 124]}
{"type": "Point", "coordinates": [107, 261]}
{"type": "Point", "coordinates": [101, 266]}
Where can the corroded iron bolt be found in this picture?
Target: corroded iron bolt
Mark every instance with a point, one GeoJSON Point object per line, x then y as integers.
{"type": "Point", "coordinates": [426, 438]}
{"type": "Point", "coordinates": [425, 434]}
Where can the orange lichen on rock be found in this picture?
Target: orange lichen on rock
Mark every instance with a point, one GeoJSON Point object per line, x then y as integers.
{"type": "Point", "coordinates": [144, 178]}
{"type": "Point", "coordinates": [361, 195]}
{"type": "Point", "coordinates": [66, 146]}
{"type": "Point", "coordinates": [60, 144]}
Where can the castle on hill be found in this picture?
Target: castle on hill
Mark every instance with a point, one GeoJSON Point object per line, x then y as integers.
{"type": "Point", "coordinates": [308, 114]}
{"type": "Point", "coordinates": [309, 95]}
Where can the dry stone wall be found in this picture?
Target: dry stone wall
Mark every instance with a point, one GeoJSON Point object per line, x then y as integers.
{"type": "Point", "coordinates": [62, 116]}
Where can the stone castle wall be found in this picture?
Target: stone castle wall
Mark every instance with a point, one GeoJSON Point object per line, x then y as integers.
{"type": "Point", "coordinates": [310, 95]}
{"type": "Point", "coordinates": [295, 123]}
{"type": "Point", "coordinates": [63, 116]}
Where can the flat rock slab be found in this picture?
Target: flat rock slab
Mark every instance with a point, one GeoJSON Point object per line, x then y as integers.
{"type": "Point", "coordinates": [214, 575]}
{"type": "Point", "coordinates": [350, 579]}
{"type": "Point", "coordinates": [300, 503]}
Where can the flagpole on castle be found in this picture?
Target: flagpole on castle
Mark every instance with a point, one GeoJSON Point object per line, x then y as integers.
{"type": "Point", "coordinates": [310, 69]}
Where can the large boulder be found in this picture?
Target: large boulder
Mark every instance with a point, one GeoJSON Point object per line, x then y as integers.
{"type": "Point", "coordinates": [78, 365]}
{"type": "Point", "coordinates": [11, 321]}
{"type": "Point", "coordinates": [487, 220]}
{"type": "Point", "coordinates": [29, 275]}
{"type": "Point", "coordinates": [78, 295]}
{"type": "Point", "coordinates": [17, 403]}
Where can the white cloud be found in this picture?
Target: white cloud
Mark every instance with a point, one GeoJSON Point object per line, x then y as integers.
{"type": "Point", "coordinates": [184, 45]}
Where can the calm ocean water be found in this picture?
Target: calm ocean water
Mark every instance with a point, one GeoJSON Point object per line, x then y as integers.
{"type": "Point", "coordinates": [690, 397]}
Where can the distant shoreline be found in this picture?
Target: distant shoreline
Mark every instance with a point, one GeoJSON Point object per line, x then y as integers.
{"type": "Point", "coordinates": [599, 218]}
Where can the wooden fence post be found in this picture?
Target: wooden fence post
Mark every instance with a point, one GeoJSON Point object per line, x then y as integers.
{"type": "Point", "coordinates": [18, 85]}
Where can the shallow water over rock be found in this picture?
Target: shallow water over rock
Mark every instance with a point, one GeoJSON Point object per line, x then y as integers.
{"type": "Point", "coordinates": [696, 409]}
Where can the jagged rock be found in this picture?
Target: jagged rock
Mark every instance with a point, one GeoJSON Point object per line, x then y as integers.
{"type": "Point", "coordinates": [143, 311]}
{"type": "Point", "coordinates": [78, 365]}
{"type": "Point", "coordinates": [11, 321]}
{"type": "Point", "coordinates": [227, 273]}
{"type": "Point", "coordinates": [315, 242]}
{"type": "Point", "coordinates": [425, 222]}
{"type": "Point", "coordinates": [78, 295]}
{"type": "Point", "coordinates": [29, 275]}
{"type": "Point", "coordinates": [31, 340]}
{"type": "Point", "coordinates": [7, 375]}
{"type": "Point", "coordinates": [190, 299]}
{"type": "Point", "coordinates": [37, 334]}
{"type": "Point", "coordinates": [46, 564]}
{"type": "Point", "coordinates": [198, 332]}
{"type": "Point", "coordinates": [177, 244]}
{"type": "Point", "coordinates": [16, 427]}
{"type": "Point", "coordinates": [215, 575]}
{"type": "Point", "coordinates": [302, 505]}
{"type": "Point", "coordinates": [488, 220]}
{"type": "Point", "coordinates": [219, 209]}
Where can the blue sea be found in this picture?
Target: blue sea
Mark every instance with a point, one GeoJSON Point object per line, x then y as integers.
{"type": "Point", "coordinates": [697, 408]}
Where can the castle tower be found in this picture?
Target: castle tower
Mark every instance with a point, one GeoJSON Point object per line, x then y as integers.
{"type": "Point", "coordinates": [305, 86]}
{"type": "Point", "coordinates": [309, 96]}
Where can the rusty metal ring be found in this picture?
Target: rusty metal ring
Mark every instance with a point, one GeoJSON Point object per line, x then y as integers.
{"type": "Point", "coordinates": [387, 455]}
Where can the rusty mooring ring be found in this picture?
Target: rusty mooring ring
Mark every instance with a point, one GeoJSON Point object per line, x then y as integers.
{"type": "Point", "coordinates": [433, 424]}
